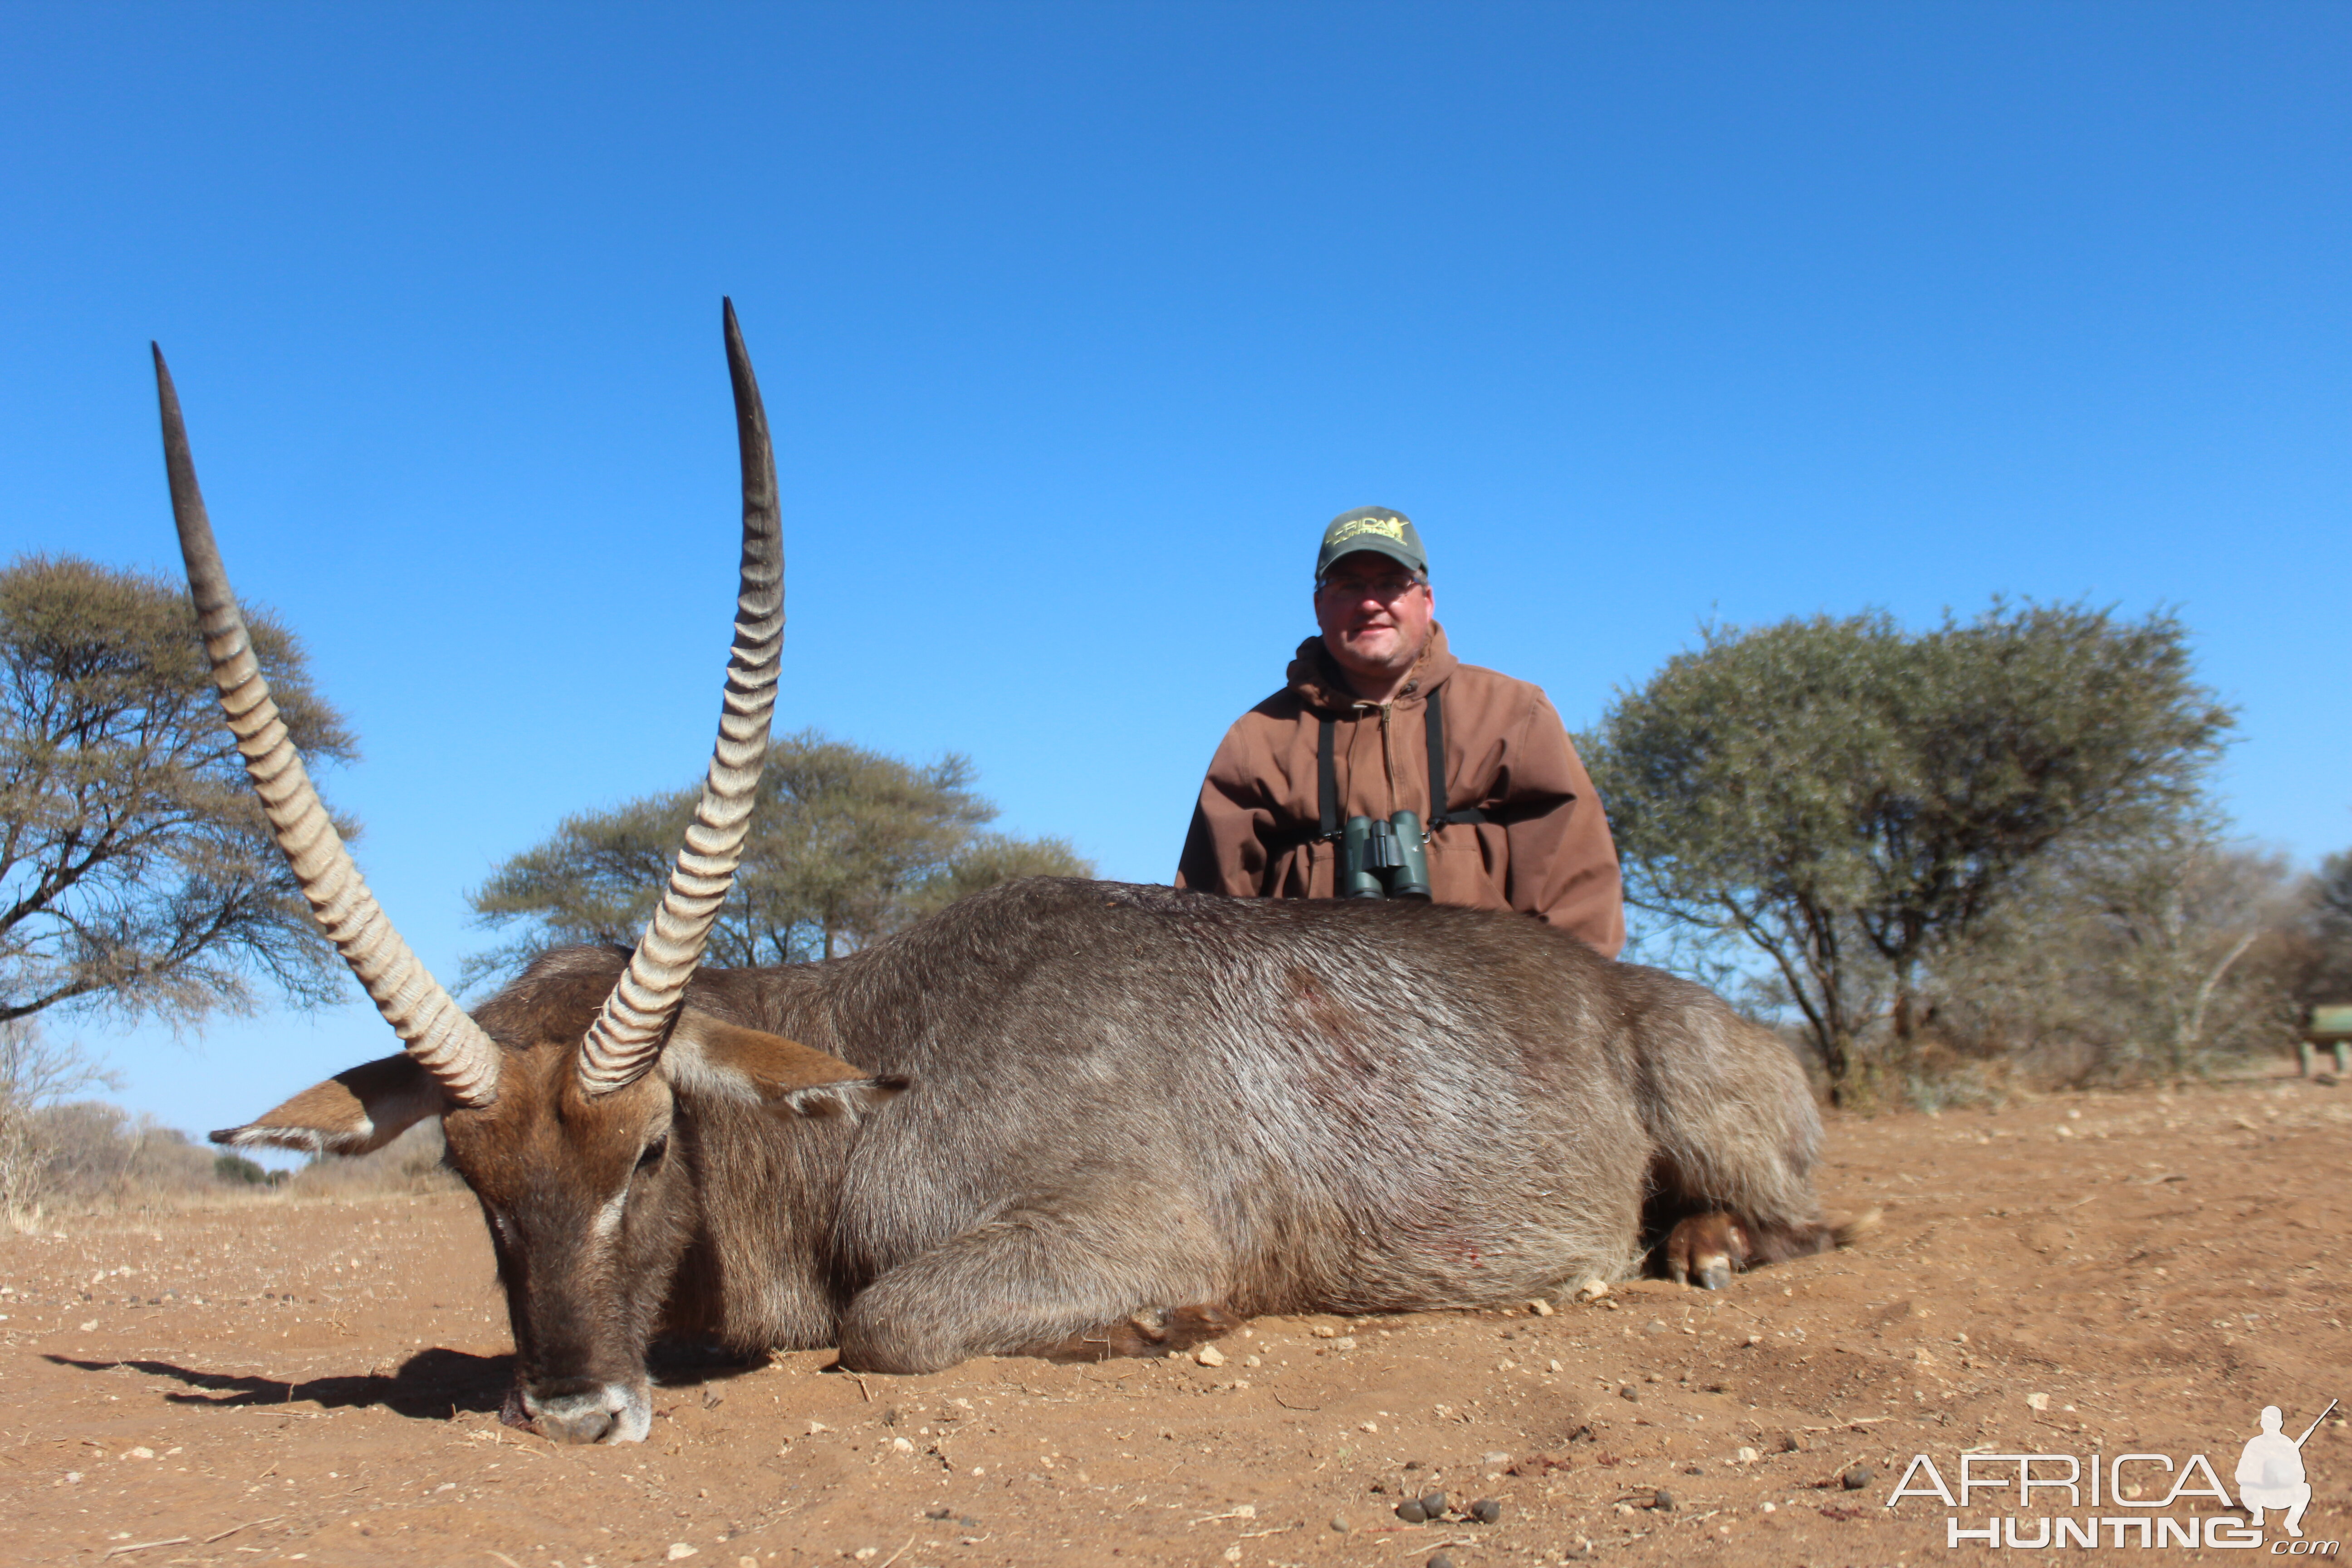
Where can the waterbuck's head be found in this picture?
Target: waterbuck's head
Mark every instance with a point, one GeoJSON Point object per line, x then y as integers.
{"type": "Point", "coordinates": [558, 1099]}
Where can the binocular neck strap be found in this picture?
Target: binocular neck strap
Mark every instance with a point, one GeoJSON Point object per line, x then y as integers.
{"type": "Point", "coordinates": [1327, 783]}
{"type": "Point", "coordinates": [1433, 724]}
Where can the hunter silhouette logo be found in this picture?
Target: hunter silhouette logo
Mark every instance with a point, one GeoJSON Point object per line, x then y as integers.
{"type": "Point", "coordinates": [2269, 1472]}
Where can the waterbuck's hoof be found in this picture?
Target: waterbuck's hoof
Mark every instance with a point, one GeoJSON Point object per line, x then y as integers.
{"type": "Point", "coordinates": [1706, 1250]}
{"type": "Point", "coordinates": [1154, 1331]}
{"type": "Point", "coordinates": [1181, 1327]}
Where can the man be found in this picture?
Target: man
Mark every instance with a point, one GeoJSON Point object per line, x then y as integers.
{"type": "Point", "coordinates": [1520, 828]}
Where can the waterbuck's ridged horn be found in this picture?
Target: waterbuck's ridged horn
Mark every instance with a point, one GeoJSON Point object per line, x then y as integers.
{"type": "Point", "coordinates": [444, 1040]}
{"type": "Point", "coordinates": [628, 1035]}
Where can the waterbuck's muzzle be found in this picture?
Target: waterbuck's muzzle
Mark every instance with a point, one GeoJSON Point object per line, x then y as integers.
{"type": "Point", "coordinates": [593, 1412]}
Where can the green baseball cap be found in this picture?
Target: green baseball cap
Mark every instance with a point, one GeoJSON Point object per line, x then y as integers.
{"type": "Point", "coordinates": [1373, 528]}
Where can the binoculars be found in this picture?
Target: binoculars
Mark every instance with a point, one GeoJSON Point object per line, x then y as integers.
{"type": "Point", "coordinates": [1383, 858]}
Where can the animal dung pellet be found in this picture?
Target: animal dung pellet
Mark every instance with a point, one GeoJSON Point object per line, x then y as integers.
{"type": "Point", "coordinates": [1441, 1561]}
{"type": "Point", "coordinates": [1857, 1478]}
{"type": "Point", "coordinates": [1662, 1500]}
{"type": "Point", "coordinates": [1432, 1505]}
{"type": "Point", "coordinates": [1630, 1392]}
{"type": "Point", "coordinates": [1209, 1355]}
{"type": "Point", "coordinates": [1340, 1523]}
{"type": "Point", "coordinates": [1410, 1510]}
{"type": "Point", "coordinates": [1486, 1510]}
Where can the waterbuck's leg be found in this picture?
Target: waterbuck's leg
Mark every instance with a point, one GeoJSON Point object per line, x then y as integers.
{"type": "Point", "coordinates": [1734, 1137]}
{"type": "Point", "coordinates": [1033, 1283]}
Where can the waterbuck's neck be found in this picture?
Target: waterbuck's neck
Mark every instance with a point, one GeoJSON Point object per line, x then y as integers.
{"type": "Point", "coordinates": [763, 1268]}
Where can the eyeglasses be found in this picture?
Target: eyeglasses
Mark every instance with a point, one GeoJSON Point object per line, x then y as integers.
{"type": "Point", "coordinates": [1387, 590]}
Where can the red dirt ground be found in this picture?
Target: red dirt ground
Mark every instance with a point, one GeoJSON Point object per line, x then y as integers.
{"type": "Point", "coordinates": [318, 1382]}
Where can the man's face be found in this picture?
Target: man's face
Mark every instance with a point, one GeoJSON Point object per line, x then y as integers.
{"type": "Point", "coordinates": [1374, 615]}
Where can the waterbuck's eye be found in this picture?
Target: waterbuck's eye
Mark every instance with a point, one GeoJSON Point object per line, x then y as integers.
{"type": "Point", "coordinates": [654, 1152]}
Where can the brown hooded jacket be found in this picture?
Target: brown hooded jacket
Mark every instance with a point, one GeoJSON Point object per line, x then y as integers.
{"type": "Point", "coordinates": [1546, 852]}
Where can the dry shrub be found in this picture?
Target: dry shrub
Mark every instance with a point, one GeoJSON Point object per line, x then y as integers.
{"type": "Point", "coordinates": [90, 1155]}
{"type": "Point", "coordinates": [2123, 963]}
{"type": "Point", "coordinates": [87, 1155]}
{"type": "Point", "coordinates": [411, 1162]}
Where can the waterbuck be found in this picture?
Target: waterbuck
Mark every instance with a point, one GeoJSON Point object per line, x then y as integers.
{"type": "Point", "coordinates": [1060, 1118]}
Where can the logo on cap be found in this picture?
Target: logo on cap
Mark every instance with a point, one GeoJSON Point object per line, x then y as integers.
{"type": "Point", "coordinates": [1386, 527]}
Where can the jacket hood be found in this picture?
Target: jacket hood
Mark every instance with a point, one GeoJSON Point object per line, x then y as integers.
{"type": "Point", "coordinates": [1320, 684]}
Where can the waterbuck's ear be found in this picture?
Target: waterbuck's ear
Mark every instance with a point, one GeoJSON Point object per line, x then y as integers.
{"type": "Point", "coordinates": [707, 1057]}
{"type": "Point", "coordinates": [350, 1113]}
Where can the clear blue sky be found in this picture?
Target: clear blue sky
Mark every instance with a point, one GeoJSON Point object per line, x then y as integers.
{"type": "Point", "coordinates": [1075, 322]}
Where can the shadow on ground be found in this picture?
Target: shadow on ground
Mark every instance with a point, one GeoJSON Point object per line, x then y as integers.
{"type": "Point", "coordinates": [431, 1385]}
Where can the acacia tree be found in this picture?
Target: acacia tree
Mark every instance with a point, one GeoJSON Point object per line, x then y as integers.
{"type": "Point", "coordinates": [137, 873]}
{"type": "Point", "coordinates": [846, 846]}
{"type": "Point", "coordinates": [1845, 797]}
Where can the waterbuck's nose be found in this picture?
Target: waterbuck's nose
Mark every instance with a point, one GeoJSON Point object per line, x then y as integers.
{"type": "Point", "coordinates": [599, 1413]}
{"type": "Point", "coordinates": [581, 1418]}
